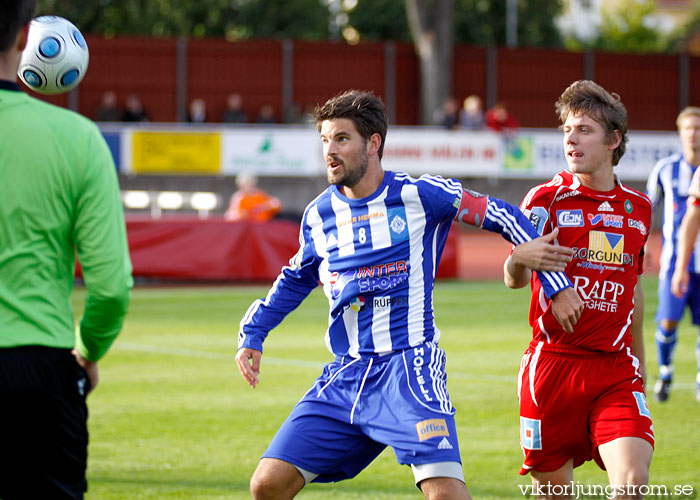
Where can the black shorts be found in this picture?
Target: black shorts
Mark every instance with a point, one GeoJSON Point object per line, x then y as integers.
{"type": "Point", "coordinates": [43, 424]}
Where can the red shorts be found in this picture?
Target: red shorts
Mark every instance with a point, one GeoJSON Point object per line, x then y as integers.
{"type": "Point", "coordinates": [572, 401]}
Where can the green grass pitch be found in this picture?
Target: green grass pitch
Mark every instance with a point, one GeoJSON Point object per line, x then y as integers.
{"type": "Point", "coordinates": [173, 419]}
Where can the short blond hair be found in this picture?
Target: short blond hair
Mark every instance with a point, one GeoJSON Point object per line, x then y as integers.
{"type": "Point", "coordinates": [687, 111]}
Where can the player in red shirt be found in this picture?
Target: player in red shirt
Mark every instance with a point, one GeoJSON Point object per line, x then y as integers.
{"type": "Point", "coordinates": [582, 391]}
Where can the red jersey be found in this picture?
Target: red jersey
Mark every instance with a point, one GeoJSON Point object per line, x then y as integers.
{"type": "Point", "coordinates": [607, 231]}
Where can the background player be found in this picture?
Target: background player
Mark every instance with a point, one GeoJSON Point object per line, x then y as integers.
{"type": "Point", "coordinates": [682, 279]}
{"type": "Point", "coordinates": [59, 195]}
{"type": "Point", "coordinates": [582, 393]}
{"type": "Point", "coordinates": [374, 239]}
{"type": "Point", "coordinates": [671, 179]}
{"type": "Point", "coordinates": [250, 202]}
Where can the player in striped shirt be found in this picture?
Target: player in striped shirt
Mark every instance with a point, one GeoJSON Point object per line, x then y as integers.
{"type": "Point", "coordinates": [682, 279]}
{"type": "Point", "coordinates": [374, 240]}
{"type": "Point", "coordinates": [582, 393]}
{"type": "Point", "coordinates": [671, 177]}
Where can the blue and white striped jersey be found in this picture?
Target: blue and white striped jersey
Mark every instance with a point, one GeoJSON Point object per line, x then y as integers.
{"type": "Point", "coordinates": [376, 258]}
{"type": "Point", "coordinates": [671, 178]}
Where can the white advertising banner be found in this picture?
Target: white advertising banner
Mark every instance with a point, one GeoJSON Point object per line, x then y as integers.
{"type": "Point", "coordinates": [540, 154]}
{"type": "Point", "coordinates": [272, 151]}
{"type": "Point", "coordinates": [448, 153]}
{"type": "Point", "coordinates": [297, 151]}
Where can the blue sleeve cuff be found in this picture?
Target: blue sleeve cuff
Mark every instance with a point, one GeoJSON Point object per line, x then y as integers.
{"type": "Point", "coordinates": [246, 340]}
{"type": "Point", "coordinates": [553, 282]}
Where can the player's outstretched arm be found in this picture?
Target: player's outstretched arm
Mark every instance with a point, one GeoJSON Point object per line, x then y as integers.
{"type": "Point", "coordinates": [686, 239]}
{"type": "Point", "coordinates": [248, 361]}
{"type": "Point", "coordinates": [507, 220]}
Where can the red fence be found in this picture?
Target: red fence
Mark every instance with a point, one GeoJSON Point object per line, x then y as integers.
{"type": "Point", "coordinates": [168, 73]}
{"type": "Point", "coordinates": [216, 250]}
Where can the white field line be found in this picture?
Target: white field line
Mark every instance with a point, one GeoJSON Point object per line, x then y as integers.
{"type": "Point", "coordinates": [299, 363]}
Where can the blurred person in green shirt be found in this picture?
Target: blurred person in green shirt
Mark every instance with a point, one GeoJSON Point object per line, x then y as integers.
{"type": "Point", "coordinates": [59, 197]}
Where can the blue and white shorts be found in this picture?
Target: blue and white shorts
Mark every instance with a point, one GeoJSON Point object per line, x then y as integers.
{"type": "Point", "coordinates": [671, 307]}
{"type": "Point", "coordinates": [357, 407]}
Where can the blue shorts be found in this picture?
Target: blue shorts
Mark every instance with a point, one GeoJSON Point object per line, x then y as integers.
{"type": "Point", "coordinates": [357, 407]}
{"type": "Point", "coordinates": [671, 307]}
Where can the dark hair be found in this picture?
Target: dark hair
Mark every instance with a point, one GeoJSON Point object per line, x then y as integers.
{"type": "Point", "coordinates": [13, 15]}
{"type": "Point", "coordinates": [363, 108]}
{"type": "Point", "coordinates": [588, 98]}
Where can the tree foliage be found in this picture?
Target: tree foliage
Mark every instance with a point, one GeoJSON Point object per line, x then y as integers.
{"type": "Point", "coordinates": [630, 27]}
{"type": "Point", "coordinates": [483, 22]}
{"type": "Point", "coordinates": [300, 19]}
{"type": "Point", "coordinates": [687, 37]}
{"type": "Point", "coordinates": [380, 20]}
{"type": "Point", "coordinates": [476, 22]}
{"type": "Point", "coordinates": [480, 22]}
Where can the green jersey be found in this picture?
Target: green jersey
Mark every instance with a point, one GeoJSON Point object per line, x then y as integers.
{"type": "Point", "coordinates": [59, 197]}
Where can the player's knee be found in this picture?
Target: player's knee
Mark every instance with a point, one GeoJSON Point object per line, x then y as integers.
{"type": "Point", "coordinates": [668, 324]}
{"type": "Point", "coordinates": [264, 485]}
{"type": "Point", "coordinates": [634, 474]}
{"type": "Point", "coordinates": [444, 488]}
{"type": "Point", "coordinates": [275, 480]}
{"type": "Point", "coordinates": [627, 482]}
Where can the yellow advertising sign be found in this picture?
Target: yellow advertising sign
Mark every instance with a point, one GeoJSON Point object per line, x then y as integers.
{"type": "Point", "coordinates": [606, 248]}
{"type": "Point", "coordinates": [176, 152]}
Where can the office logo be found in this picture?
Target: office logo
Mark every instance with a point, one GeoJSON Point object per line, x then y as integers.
{"type": "Point", "coordinates": [430, 428]}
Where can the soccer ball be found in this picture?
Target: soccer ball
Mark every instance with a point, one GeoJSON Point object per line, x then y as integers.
{"type": "Point", "coordinates": [56, 56]}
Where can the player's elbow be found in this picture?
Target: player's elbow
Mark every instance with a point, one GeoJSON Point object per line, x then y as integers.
{"type": "Point", "coordinates": [114, 304]}
{"type": "Point", "coordinates": [113, 295]}
{"type": "Point", "coordinates": [513, 283]}
{"type": "Point", "coordinates": [515, 276]}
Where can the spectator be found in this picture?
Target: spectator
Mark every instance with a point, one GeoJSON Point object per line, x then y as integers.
{"type": "Point", "coordinates": [251, 202]}
{"type": "Point", "coordinates": [297, 115]}
{"type": "Point", "coordinates": [133, 110]}
{"type": "Point", "coordinates": [471, 116]}
{"type": "Point", "coordinates": [234, 113]}
{"type": "Point", "coordinates": [108, 110]}
{"type": "Point", "coordinates": [266, 114]}
{"type": "Point", "coordinates": [197, 111]}
{"type": "Point", "coordinates": [448, 116]}
{"type": "Point", "coordinates": [500, 119]}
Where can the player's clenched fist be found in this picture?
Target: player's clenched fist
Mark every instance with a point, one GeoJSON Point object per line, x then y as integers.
{"type": "Point", "coordinates": [567, 307]}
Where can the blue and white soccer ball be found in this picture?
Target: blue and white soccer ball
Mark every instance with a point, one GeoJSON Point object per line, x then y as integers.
{"type": "Point", "coordinates": [56, 56]}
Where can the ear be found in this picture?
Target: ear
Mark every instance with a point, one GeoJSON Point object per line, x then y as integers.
{"type": "Point", "coordinates": [22, 36]}
{"type": "Point", "coordinates": [617, 139]}
{"type": "Point", "coordinates": [373, 144]}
